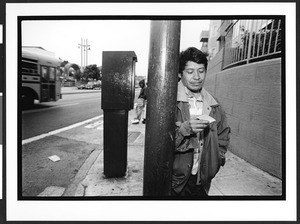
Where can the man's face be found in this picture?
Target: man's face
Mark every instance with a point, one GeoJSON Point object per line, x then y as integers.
{"type": "Point", "coordinates": [193, 76]}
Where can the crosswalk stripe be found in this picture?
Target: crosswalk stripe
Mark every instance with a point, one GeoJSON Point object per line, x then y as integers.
{"type": "Point", "coordinates": [96, 124]}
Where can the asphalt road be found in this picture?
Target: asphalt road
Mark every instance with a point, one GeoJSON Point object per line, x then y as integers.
{"type": "Point", "coordinates": [38, 172]}
{"type": "Point", "coordinates": [73, 108]}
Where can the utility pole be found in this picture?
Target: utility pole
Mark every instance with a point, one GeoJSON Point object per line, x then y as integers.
{"type": "Point", "coordinates": [84, 46]}
{"type": "Point", "coordinates": [81, 53]}
{"type": "Point", "coordinates": [161, 107]}
{"type": "Point", "coordinates": [84, 52]}
{"type": "Point", "coordinates": [87, 48]}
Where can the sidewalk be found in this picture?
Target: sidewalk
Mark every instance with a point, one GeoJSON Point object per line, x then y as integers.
{"type": "Point", "coordinates": [236, 178]}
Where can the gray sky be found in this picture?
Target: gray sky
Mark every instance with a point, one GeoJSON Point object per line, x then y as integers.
{"type": "Point", "coordinates": [63, 36]}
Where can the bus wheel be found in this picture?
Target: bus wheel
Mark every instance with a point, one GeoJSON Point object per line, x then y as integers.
{"type": "Point", "coordinates": [27, 101]}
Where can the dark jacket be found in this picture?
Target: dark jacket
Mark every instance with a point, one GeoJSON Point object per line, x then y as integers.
{"type": "Point", "coordinates": [216, 140]}
{"type": "Point", "coordinates": [143, 92]}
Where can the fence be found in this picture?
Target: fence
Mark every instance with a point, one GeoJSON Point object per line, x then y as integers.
{"type": "Point", "coordinates": [247, 41]}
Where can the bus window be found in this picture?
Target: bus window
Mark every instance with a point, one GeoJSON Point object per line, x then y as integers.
{"type": "Point", "coordinates": [29, 68]}
{"type": "Point", "coordinates": [52, 74]}
{"type": "Point", "coordinates": [44, 74]}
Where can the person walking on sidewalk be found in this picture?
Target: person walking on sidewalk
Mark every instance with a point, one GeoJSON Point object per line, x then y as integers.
{"type": "Point", "coordinates": [141, 104]}
{"type": "Point", "coordinates": [201, 143]}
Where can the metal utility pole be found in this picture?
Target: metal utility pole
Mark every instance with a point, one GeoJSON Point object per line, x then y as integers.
{"type": "Point", "coordinates": [87, 47]}
{"type": "Point", "coordinates": [81, 53]}
{"type": "Point", "coordinates": [84, 51]}
{"type": "Point", "coordinates": [161, 107]}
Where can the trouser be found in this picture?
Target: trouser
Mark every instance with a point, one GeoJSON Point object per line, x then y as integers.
{"type": "Point", "coordinates": [144, 110]}
{"type": "Point", "coordinates": [141, 105]}
{"type": "Point", "coordinates": [191, 189]}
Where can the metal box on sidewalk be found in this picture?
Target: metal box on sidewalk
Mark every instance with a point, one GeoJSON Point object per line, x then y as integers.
{"type": "Point", "coordinates": [118, 77]}
{"type": "Point", "coordinates": [118, 83]}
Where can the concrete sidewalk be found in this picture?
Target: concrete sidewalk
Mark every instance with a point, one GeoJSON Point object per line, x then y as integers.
{"type": "Point", "coordinates": [236, 178]}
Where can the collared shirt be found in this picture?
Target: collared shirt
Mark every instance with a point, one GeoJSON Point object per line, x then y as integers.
{"type": "Point", "coordinates": [196, 108]}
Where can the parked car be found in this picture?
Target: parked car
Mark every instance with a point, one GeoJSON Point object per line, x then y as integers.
{"type": "Point", "coordinates": [81, 86]}
{"type": "Point", "coordinates": [90, 85]}
{"type": "Point", "coordinates": [97, 84]}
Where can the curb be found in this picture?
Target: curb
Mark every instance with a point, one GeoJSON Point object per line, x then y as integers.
{"type": "Point", "coordinates": [72, 189]}
{"type": "Point", "coordinates": [80, 92]}
{"type": "Point", "coordinates": [76, 91]}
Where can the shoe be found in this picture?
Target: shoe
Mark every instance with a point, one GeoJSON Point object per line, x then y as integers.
{"type": "Point", "coordinates": [135, 121]}
{"type": "Point", "coordinates": [144, 121]}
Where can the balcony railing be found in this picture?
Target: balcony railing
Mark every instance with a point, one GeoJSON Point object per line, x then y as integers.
{"type": "Point", "coordinates": [248, 41]}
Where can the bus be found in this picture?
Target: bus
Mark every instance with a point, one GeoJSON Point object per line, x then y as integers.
{"type": "Point", "coordinates": [40, 72]}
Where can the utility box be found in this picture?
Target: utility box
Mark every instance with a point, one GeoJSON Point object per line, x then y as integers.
{"type": "Point", "coordinates": [117, 98]}
{"type": "Point", "coordinates": [118, 79]}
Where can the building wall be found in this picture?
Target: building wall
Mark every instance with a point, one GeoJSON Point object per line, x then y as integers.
{"type": "Point", "coordinates": [213, 44]}
{"type": "Point", "coordinates": [215, 66]}
{"type": "Point", "coordinates": [251, 97]}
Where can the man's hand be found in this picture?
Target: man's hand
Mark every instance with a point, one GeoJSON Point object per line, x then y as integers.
{"type": "Point", "coordinates": [198, 125]}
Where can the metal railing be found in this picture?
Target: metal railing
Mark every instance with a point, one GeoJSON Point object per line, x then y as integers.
{"type": "Point", "coordinates": [248, 41]}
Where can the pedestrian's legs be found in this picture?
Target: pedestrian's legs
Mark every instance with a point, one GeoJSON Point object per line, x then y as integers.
{"type": "Point", "coordinates": [144, 112]}
{"type": "Point", "coordinates": [139, 111]}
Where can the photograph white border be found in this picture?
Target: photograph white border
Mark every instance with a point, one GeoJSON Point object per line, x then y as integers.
{"type": "Point", "coordinates": [149, 210]}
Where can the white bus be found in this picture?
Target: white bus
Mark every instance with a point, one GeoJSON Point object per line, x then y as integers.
{"type": "Point", "coordinates": [40, 72]}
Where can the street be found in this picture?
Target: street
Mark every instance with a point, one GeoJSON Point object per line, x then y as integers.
{"type": "Point", "coordinates": [50, 116]}
{"type": "Point", "coordinates": [38, 171]}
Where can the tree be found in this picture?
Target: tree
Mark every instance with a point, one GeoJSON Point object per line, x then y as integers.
{"type": "Point", "coordinates": [91, 72]}
{"type": "Point", "coordinates": [100, 69]}
{"type": "Point", "coordinates": [64, 63]}
{"type": "Point", "coordinates": [72, 70]}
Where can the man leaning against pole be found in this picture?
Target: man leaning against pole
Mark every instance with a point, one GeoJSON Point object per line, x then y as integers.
{"type": "Point", "coordinates": [202, 133]}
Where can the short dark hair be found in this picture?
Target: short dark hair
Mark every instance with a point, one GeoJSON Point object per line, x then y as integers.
{"type": "Point", "coordinates": [191, 54]}
{"type": "Point", "coordinates": [142, 82]}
